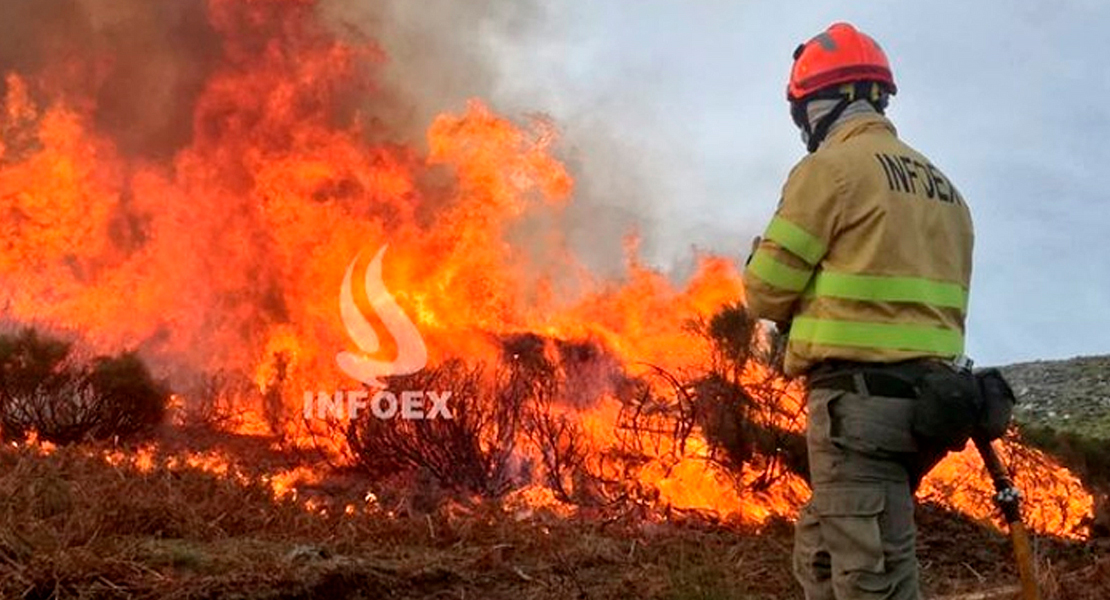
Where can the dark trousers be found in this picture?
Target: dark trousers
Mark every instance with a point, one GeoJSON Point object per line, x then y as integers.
{"type": "Point", "coordinates": [855, 538]}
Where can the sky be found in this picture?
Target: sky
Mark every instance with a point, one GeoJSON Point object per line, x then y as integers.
{"type": "Point", "coordinates": [673, 113]}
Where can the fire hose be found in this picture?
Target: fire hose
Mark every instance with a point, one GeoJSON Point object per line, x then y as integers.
{"type": "Point", "coordinates": [1008, 499]}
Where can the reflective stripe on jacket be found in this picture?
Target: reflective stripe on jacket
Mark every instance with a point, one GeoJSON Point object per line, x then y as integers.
{"type": "Point", "coordinates": [868, 255]}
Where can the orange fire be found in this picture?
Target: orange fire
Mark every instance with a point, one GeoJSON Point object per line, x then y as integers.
{"type": "Point", "coordinates": [228, 256]}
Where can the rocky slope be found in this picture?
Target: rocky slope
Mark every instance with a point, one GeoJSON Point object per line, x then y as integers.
{"type": "Point", "coordinates": [1066, 395]}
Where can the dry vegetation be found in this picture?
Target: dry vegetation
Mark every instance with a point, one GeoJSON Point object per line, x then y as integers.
{"type": "Point", "coordinates": [48, 389]}
{"type": "Point", "coordinates": [76, 526]}
{"type": "Point", "coordinates": [73, 525]}
{"type": "Point", "coordinates": [434, 509]}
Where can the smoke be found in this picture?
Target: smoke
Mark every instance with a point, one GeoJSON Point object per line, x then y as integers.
{"type": "Point", "coordinates": [443, 52]}
{"type": "Point", "coordinates": [137, 66]}
{"type": "Point", "coordinates": [440, 53]}
{"type": "Point", "coordinates": [140, 66]}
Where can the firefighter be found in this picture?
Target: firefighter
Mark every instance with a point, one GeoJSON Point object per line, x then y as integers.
{"type": "Point", "coordinates": [866, 264]}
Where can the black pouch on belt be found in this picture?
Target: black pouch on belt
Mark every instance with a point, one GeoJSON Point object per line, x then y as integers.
{"type": "Point", "coordinates": [998, 402]}
{"type": "Point", "coordinates": [948, 407]}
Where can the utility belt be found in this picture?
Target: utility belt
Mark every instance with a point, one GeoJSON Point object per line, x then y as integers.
{"type": "Point", "coordinates": [869, 379]}
{"type": "Point", "coordinates": [951, 403]}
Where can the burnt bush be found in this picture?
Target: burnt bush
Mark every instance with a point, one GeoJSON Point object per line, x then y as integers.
{"type": "Point", "coordinates": [472, 451]}
{"type": "Point", "coordinates": [217, 401]}
{"type": "Point", "coordinates": [512, 424]}
{"type": "Point", "coordinates": [555, 433]}
{"type": "Point", "coordinates": [46, 389]}
{"type": "Point", "coordinates": [560, 378]}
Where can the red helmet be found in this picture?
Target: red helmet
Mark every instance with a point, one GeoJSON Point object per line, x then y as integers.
{"type": "Point", "coordinates": [842, 54]}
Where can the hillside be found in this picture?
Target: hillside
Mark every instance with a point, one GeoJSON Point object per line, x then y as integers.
{"type": "Point", "coordinates": [1064, 409]}
{"type": "Point", "coordinates": [1067, 395]}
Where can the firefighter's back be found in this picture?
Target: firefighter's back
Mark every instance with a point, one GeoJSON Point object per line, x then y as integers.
{"type": "Point", "coordinates": [894, 282]}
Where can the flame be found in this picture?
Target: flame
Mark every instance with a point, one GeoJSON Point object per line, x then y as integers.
{"type": "Point", "coordinates": [1055, 500]}
{"type": "Point", "coordinates": [228, 256]}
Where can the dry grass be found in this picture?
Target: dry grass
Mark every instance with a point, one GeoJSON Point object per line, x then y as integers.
{"type": "Point", "coordinates": [72, 525]}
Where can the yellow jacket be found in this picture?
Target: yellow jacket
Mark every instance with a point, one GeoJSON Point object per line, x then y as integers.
{"type": "Point", "coordinates": [868, 256]}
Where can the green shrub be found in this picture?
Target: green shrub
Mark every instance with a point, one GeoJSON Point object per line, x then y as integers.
{"type": "Point", "coordinates": [132, 402]}
{"type": "Point", "coordinates": [740, 414]}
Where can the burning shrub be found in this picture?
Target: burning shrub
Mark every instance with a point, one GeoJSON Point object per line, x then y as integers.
{"type": "Point", "coordinates": [1087, 455]}
{"type": "Point", "coordinates": [562, 449]}
{"type": "Point", "coordinates": [470, 452]}
{"type": "Point", "coordinates": [655, 425]}
{"type": "Point", "coordinates": [216, 401]}
{"type": "Point", "coordinates": [736, 402]}
{"type": "Point", "coordinates": [560, 377]}
{"type": "Point", "coordinates": [511, 425]}
{"type": "Point", "coordinates": [739, 402]}
{"type": "Point", "coordinates": [46, 389]}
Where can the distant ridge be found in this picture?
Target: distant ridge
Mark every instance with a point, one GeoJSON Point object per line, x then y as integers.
{"type": "Point", "coordinates": [1069, 395]}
